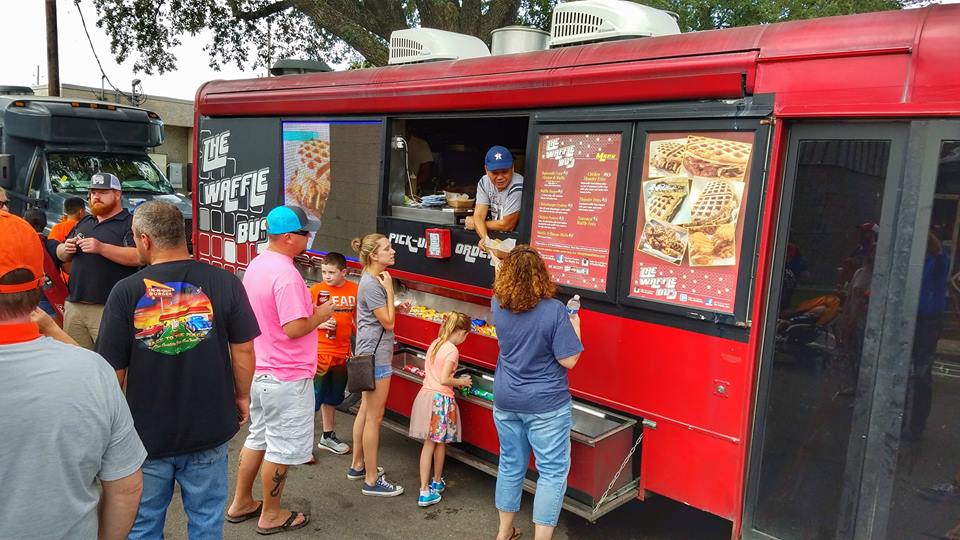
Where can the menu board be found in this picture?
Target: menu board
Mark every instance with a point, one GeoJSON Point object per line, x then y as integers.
{"type": "Point", "coordinates": [690, 220]}
{"type": "Point", "coordinates": [574, 205]}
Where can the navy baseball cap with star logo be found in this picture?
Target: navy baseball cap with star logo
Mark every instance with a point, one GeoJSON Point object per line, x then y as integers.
{"type": "Point", "coordinates": [498, 157]}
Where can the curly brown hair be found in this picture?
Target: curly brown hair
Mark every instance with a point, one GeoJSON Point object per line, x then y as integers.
{"type": "Point", "coordinates": [522, 280]}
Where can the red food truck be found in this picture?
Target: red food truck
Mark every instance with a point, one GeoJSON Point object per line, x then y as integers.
{"type": "Point", "coordinates": [761, 223]}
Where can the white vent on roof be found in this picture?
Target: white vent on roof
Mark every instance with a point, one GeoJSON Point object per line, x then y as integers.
{"type": "Point", "coordinates": [587, 21]}
{"type": "Point", "coordinates": [429, 44]}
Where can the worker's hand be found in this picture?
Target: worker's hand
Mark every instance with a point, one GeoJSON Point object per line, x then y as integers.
{"type": "Point", "coordinates": [468, 223]}
{"type": "Point", "coordinates": [404, 307]}
{"type": "Point", "coordinates": [90, 245]}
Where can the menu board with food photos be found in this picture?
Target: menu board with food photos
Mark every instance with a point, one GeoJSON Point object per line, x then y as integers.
{"type": "Point", "coordinates": [574, 206]}
{"type": "Point", "coordinates": [689, 224]}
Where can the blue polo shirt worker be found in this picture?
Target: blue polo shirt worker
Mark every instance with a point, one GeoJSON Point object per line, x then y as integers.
{"type": "Point", "coordinates": [499, 195]}
{"type": "Point", "coordinates": [101, 251]}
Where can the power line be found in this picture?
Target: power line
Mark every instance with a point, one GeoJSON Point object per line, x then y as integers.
{"type": "Point", "coordinates": [135, 99]}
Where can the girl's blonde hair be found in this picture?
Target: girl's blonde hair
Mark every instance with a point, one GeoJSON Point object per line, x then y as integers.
{"type": "Point", "coordinates": [366, 247]}
{"type": "Point", "coordinates": [454, 321]}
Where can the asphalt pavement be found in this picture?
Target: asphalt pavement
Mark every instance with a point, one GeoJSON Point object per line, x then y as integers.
{"type": "Point", "coordinates": [338, 510]}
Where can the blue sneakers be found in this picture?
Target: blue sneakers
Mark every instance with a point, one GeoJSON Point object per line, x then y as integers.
{"type": "Point", "coordinates": [429, 498]}
{"type": "Point", "coordinates": [381, 488]}
{"type": "Point", "coordinates": [360, 474]}
{"type": "Point", "coordinates": [438, 486]}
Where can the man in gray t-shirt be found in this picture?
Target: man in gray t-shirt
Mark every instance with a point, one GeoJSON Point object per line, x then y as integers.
{"type": "Point", "coordinates": [499, 195]}
{"type": "Point", "coordinates": [65, 424]}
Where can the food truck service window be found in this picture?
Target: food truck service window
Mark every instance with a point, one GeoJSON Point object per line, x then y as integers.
{"type": "Point", "coordinates": [576, 210]}
{"type": "Point", "coordinates": [332, 170]}
{"type": "Point", "coordinates": [694, 197]}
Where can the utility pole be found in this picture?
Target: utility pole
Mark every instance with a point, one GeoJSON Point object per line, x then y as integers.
{"type": "Point", "coordinates": [53, 54]}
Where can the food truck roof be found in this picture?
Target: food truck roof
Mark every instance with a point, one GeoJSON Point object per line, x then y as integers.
{"type": "Point", "coordinates": [885, 57]}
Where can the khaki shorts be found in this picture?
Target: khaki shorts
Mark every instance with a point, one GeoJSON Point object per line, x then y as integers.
{"type": "Point", "coordinates": [281, 419]}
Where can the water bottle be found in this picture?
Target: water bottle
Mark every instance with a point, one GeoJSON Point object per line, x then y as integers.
{"type": "Point", "coordinates": [573, 305]}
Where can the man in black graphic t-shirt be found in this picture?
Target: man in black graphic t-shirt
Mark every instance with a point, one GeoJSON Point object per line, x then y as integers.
{"type": "Point", "coordinates": [180, 335]}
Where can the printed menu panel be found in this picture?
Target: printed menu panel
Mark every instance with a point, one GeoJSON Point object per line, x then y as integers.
{"type": "Point", "coordinates": [689, 224]}
{"type": "Point", "coordinates": [574, 205]}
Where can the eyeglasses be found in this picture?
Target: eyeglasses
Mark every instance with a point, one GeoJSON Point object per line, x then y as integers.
{"type": "Point", "coordinates": [300, 233]}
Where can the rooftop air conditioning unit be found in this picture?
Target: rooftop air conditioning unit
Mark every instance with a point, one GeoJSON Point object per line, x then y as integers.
{"type": "Point", "coordinates": [429, 44]}
{"type": "Point", "coordinates": [588, 21]}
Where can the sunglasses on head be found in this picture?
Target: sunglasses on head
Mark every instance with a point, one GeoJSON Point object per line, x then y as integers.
{"type": "Point", "coordinates": [300, 233]}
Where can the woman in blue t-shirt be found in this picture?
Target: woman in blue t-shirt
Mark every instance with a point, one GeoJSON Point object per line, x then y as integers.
{"type": "Point", "coordinates": [539, 342]}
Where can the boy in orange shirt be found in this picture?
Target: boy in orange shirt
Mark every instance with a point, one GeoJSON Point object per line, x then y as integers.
{"type": "Point", "coordinates": [333, 340]}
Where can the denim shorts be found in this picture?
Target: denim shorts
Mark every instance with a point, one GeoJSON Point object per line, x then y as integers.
{"type": "Point", "coordinates": [382, 372]}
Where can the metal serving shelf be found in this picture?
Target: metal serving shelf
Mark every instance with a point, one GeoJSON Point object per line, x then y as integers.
{"type": "Point", "coordinates": [600, 439]}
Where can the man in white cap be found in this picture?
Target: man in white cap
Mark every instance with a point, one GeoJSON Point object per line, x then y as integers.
{"type": "Point", "coordinates": [102, 252]}
{"type": "Point", "coordinates": [281, 399]}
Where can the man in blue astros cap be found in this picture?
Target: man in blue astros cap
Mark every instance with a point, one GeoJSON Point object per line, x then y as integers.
{"type": "Point", "coordinates": [499, 194]}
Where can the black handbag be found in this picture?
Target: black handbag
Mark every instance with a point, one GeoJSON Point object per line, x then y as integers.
{"type": "Point", "coordinates": [360, 370]}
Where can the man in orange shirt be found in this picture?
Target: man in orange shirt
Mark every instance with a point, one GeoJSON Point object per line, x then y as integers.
{"type": "Point", "coordinates": [333, 346]}
{"type": "Point", "coordinates": [73, 210]}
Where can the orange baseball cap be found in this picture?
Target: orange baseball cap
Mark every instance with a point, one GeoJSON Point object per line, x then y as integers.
{"type": "Point", "coordinates": [20, 248]}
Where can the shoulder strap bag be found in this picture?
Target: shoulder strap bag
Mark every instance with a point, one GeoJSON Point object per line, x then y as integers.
{"type": "Point", "coordinates": [360, 370]}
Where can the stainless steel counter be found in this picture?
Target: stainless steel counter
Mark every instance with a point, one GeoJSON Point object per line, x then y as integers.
{"type": "Point", "coordinates": [437, 216]}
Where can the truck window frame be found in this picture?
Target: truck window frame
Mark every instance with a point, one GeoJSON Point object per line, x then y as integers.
{"type": "Point", "coordinates": [384, 211]}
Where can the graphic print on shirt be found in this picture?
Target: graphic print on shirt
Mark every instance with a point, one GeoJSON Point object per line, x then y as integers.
{"type": "Point", "coordinates": [172, 317]}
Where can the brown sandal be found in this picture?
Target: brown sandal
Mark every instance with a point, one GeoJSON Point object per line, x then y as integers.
{"type": "Point", "coordinates": [244, 517]}
{"type": "Point", "coordinates": [287, 525]}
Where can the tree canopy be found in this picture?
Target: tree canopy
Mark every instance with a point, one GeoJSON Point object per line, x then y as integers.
{"type": "Point", "coordinates": [254, 33]}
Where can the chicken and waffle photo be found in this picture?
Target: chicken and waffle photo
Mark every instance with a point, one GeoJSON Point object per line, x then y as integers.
{"type": "Point", "coordinates": [663, 241]}
{"type": "Point", "coordinates": [712, 245]}
{"type": "Point", "coordinates": [707, 157]}
{"type": "Point", "coordinates": [309, 185]}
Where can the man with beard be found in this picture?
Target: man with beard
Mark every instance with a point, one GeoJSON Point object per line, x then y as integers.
{"type": "Point", "coordinates": [101, 250]}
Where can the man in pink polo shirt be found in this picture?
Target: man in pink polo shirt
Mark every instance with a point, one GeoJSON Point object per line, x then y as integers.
{"type": "Point", "coordinates": [281, 398]}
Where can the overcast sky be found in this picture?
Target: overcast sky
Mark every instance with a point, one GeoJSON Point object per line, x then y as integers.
{"type": "Point", "coordinates": [23, 41]}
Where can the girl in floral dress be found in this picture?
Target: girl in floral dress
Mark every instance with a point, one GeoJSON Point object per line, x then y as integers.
{"type": "Point", "coordinates": [435, 417]}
